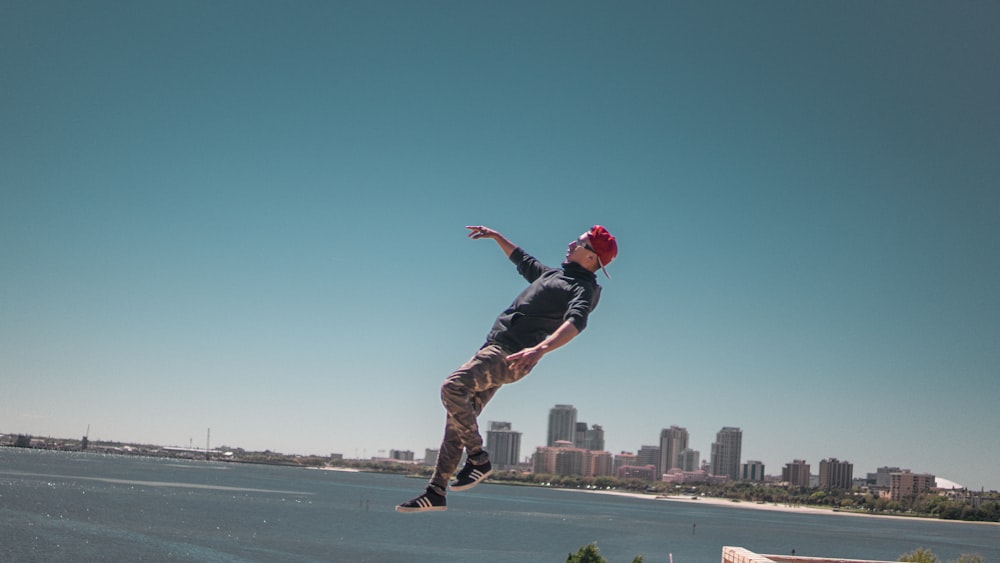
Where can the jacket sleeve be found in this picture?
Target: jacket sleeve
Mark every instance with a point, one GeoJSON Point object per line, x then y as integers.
{"type": "Point", "coordinates": [580, 306]}
{"type": "Point", "coordinates": [527, 265]}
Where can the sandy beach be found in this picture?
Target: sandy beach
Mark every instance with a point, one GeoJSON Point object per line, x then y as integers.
{"type": "Point", "coordinates": [719, 502]}
{"type": "Point", "coordinates": [765, 506]}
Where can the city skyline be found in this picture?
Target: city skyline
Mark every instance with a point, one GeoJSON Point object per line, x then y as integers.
{"type": "Point", "coordinates": [251, 218]}
{"type": "Point", "coordinates": [678, 437]}
{"type": "Point", "coordinates": [503, 441]}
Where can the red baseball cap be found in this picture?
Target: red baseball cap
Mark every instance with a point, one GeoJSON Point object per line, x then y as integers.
{"type": "Point", "coordinates": [604, 245]}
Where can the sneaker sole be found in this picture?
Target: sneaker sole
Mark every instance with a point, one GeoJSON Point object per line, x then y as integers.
{"type": "Point", "coordinates": [472, 484]}
{"type": "Point", "coordinates": [421, 509]}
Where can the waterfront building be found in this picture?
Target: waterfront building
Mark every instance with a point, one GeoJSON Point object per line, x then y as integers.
{"type": "Point", "coordinates": [401, 455]}
{"type": "Point", "coordinates": [796, 473]}
{"type": "Point", "coordinates": [644, 472]}
{"type": "Point", "coordinates": [650, 455]}
{"type": "Point", "coordinates": [726, 452]}
{"type": "Point", "coordinates": [623, 459]}
{"type": "Point", "coordinates": [678, 477]}
{"type": "Point", "coordinates": [598, 464]}
{"type": "Point", "coordinates": [881, 479]}
{"type": "Point", "coordinates": [564, 459]}
{"type": "Point", "coordinates": [569, 461]}
{"type": "Point", "coordinates": [689, 460]}
{"type": "Point", "coordinates": [673, 441]}
{"type": "Point", "coordinates": [753, 471]}
{"type": "Point", "coordinates": [562, 425]}
{"type": "Point", "coordinates": [430, 456]}
{"type": "Point", "coordinates": [504, 445]}
{"type": "Point", "coordinates": [544, 460]}
{"type": "Point", "coordinates": [906, 485]}
{"type": "Point", "coordinates": [834, 474]}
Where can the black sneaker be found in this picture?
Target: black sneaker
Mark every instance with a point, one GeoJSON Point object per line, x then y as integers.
{"type": "Point", "coordinates": [471, 475]}
{"type": "Point", "coordinates": [424, 503]}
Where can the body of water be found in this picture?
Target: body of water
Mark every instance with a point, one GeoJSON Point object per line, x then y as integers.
{"type": "Point", "coordinates": [57, 506]}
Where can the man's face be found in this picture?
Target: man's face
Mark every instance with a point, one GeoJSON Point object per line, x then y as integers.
{"type": "Point", "coordinates": [580, 249]}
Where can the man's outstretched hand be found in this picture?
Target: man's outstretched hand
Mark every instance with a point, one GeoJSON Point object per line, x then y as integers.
{"type": "Point", "coordinates": [479, 231]}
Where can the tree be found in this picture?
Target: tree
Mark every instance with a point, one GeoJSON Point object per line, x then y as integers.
{"type": "Point", "coordinates": [991, 510]}
{"type": "Point", "coordinates": [23, 441]}
{"type": "Point", "coordinates": [587, 554]}
{"type": "Point", "coordinates": [920, 555]}
{"type": "Point", "coordinates": [603, 482]}
{"type": "Point", "coordinates": [590, 554]}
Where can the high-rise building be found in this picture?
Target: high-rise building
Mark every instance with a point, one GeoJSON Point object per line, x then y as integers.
{"type": "Point", "coordinates": [796, 473]}
{"type": "Point", "coordinates": [689, 460]}
{"type": "Point", "coordinates": [906, 485]}
{"type": "Point", "coordinates": [562, 424]}
{"type": "Point", "coordinates": [649, 455]}
{"type": "Point", "coordinates": [673, 441]}
{"type": "Point", "coordinates": [726, 453]}
{"type": "Point", "coordinates": [503, 445]}
{"type": "Point", "coordinates": [835, 474]}
{"type": "Point", "coordinates": [430, 457]}
{"type": "Point", "coordinates": [753, 471]}
{"type": "Point", "coordinates": [590, 438]}
{"type": "Point", "coordinates": [882, 478]}
{"type": "Point", "coordinates": [580, 436]}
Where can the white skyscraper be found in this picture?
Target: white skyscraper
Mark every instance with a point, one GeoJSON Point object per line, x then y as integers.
{"type": "Point", "coordinates": [673, 441]}
{"type": "Point", "coordinates": [726, 453]}
{"type": "Point", "coordinates": [503, 444]}
{"type": "Point", "coordinates": [689, 460]}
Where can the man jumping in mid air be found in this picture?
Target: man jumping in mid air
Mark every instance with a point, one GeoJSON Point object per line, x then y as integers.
{"type": "Point", "coordinates": [550, 312]}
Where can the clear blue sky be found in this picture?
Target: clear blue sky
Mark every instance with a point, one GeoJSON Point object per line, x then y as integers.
{"type": "Point", "coordinates": [249, 216]}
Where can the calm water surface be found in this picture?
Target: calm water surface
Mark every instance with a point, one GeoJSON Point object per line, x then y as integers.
{"type": "Point", "coordinates": [58, 506]}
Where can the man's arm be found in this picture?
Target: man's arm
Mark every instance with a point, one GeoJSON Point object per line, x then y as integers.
{"type": "Point", "coordinates": [526, 359]}
{"type": "Point", "coordinates": [479, 231]}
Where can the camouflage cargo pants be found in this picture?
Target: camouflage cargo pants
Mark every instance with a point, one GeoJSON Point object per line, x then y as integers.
{"type": "Point", "coordinates": [465, 393]}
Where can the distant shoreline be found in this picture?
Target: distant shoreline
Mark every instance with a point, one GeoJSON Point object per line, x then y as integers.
{"type": "Point", "coordinates": [729, 503]}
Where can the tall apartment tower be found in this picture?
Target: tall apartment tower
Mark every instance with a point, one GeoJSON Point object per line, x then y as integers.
{"type": "Point", "coordinates": [673, 441]}
{"type": "Point", "coordinates": [580, 436]}
{"type": "Point", "coordinates": [834, 474]}
{"type": "Point", "coordinates": [726, 453]}
{"type": "Point", "coordinates": [796, 473]}
{"type": "Point", "coordinates": [689, 460]}
{"type": "Point", "coordinates": [503, 444]}
{"type": "Point", "coordinates": [562, 425]}
{"type": "Point", "coordinates": [590, 438]}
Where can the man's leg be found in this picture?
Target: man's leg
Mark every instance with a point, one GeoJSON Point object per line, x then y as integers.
{"type": "Point", "coordinates": [464, 394]}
